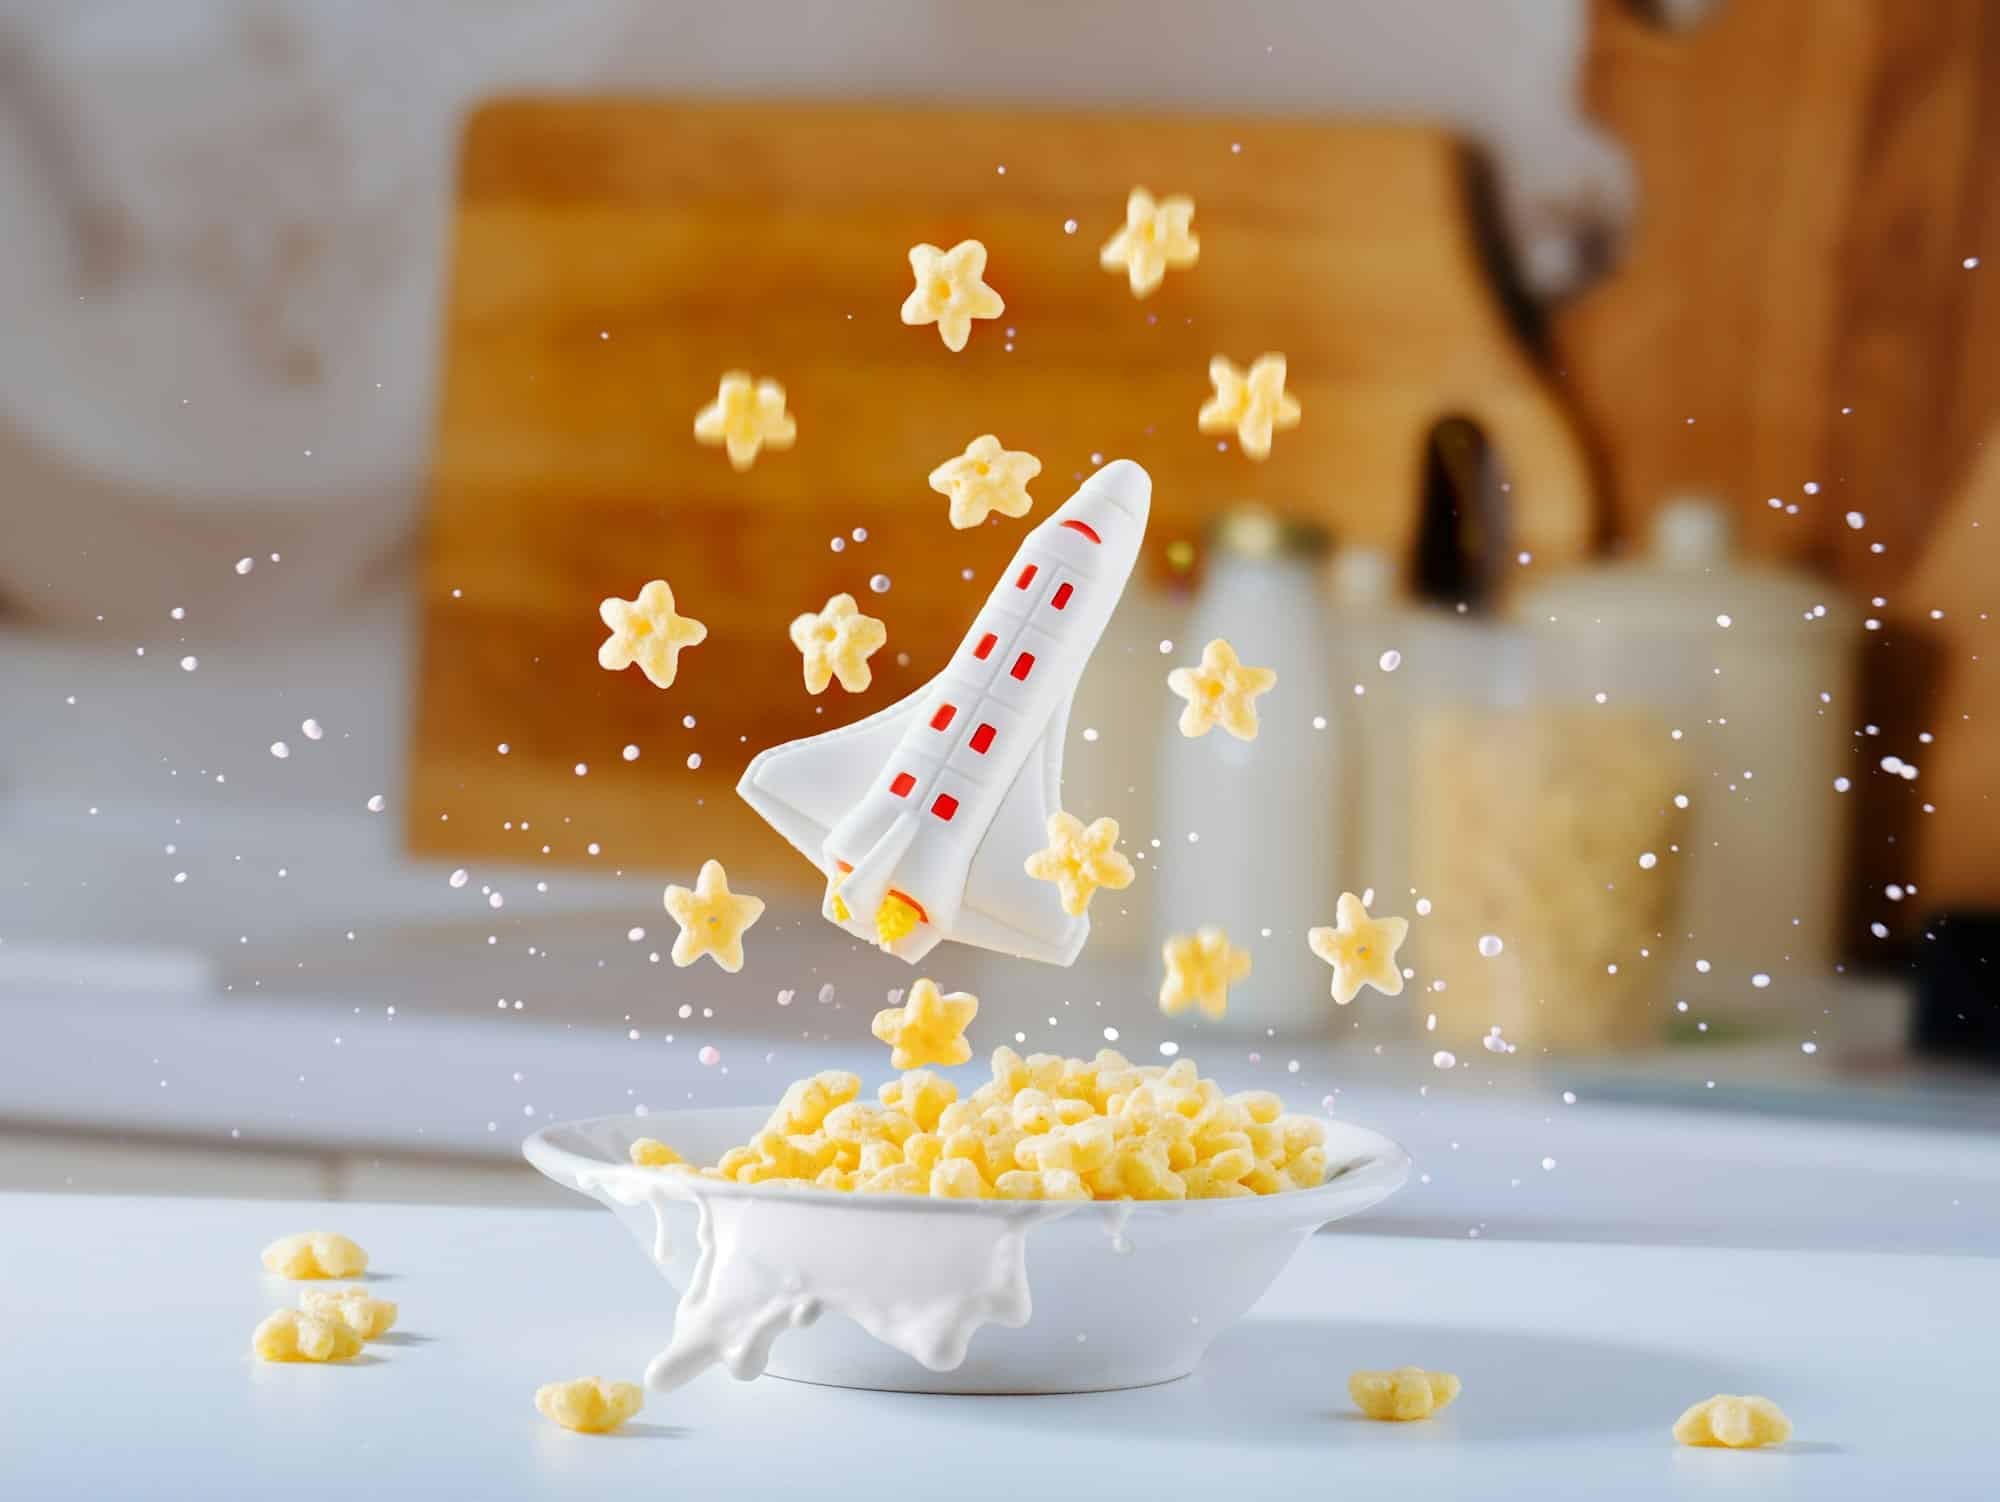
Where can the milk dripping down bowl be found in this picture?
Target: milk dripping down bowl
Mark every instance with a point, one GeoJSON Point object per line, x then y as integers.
{"type": "Point", "coordinates": [1123, 1293]}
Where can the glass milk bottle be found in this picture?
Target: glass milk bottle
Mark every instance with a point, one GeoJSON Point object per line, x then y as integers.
{"type": "Point", "coordinates": [1250, 831]}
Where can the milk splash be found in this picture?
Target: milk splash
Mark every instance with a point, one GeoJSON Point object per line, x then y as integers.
{"type": "Point", "coordinates": [774, 1262]}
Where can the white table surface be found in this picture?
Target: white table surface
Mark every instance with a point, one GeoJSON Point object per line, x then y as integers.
{"type": "Point", "coordinates": [126, 1324]}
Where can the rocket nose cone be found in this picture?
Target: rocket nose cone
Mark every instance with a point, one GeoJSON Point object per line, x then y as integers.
{"type": "Point", "coordinates": [1125, 485]}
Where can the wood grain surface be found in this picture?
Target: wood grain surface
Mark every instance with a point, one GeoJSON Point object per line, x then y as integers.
{"type": "Point", "coordinates": [1796, 320]}
{"type": "Point", "coordinates": [613, 258]}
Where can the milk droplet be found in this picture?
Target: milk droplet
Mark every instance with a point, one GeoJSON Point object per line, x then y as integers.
{"type": "Point", "coordinates": [630, 753]}
{"type": "Point", "coordinates": [1808, 1048]}
{"type": "Point", "coordinates": [1069, 226]}
{"type": "Point", "coordinates": [1490, 945]}
{"type": "Point", "coordinates": [1111, 1035]}
{"type": "Point", "coordinates": [459, 877]}
{"type": "Point", "coordinates": [495, 900]}
{"type": "Point", "coordinates": [1856, 520]}
{"type": "Point", "coordinates": [377, 803]}
{"type": "Point", "coordinates": [785, 998]}
{"type": "Point", "coordinates": [1648, 860]}
{"type": "Point", "coordinates": [879, 583]}
{"type": "Point", "coordinates": [687, 722]}
{"type": "Point", "coordinates": [1548, 1164]}
{"type": "Point", "coordinates": [694, 760]}
{"type": "Point", "coordinates": [244, 565]}
{"type": "Point", "coordinates": [859, 534]}
{"type": "Point", "coordinates": [311, 729]}
{"type": "Point", "coordinates": [1569, 1097]}
{"type": "Point", "coordinates": [634, 935]}
{"type": "Point", "coordinates": [179, 613]}
{"type": "Point", "coordinates": [826, 993]}
{"type": "Point", "coordinates": [710, 1055]}
{"type": "Point", "coordinates": [838, 544]}
{"type": "Point", "coordinates": [1390, 660]}
{"type": "Point", "coordinates": [189, 664]}
{"type": "Point", "coordinates": [280, 750]}
{"type": "Point", "coordinates": [1723, 621]}
{"type": "Point", "coordinates": [1760, 980]}
{"type": "Point", "coordinates": [1423, 907]}
{"type": "Point", "coordinates": [1444, 1059]}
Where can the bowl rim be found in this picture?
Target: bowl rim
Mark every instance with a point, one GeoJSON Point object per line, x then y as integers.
{"type": "Point", "coordinates": [1372, 1167]}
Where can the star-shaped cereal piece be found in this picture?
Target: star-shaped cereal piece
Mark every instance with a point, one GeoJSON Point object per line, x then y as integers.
{"type": "Point", "coordinates": [837, 643]}
{"type": "Point", "coordinates": [1201, 967]}
{"type": "Point", "coordinates": [1220, 692]}
{"type": "Point", "coordinates": [363, 1313]}
{"type": "Point", "coordinates": [1155, 237]}
{"type": "Point", "coordinates": [315, 1254]}
{"type": "Point", "coordinates": [984, 479]}
{"type": "Point", "coordinates": [289, 1335]}
{"type": "Point", "coordinates": [1738, 1423]}
{"type": "Point", "coordinates": [648, 631]}
{"type": "Point", "coordinates": [1079, 860]}
{"type": "Point", "coordinates": [1253, 405]}
{"type": "Point", "coordinates": [929, 1028]}
{"type": "Point", "coordinates": [1407, 1393]}
{"type": "Point", "coordinates": [746, 417]}
{"type": "Point", "coordinates": [589, 1405]}
{"type": "Point", "coordinates": [1361, 949]}
{"type": "Point", "coordinates": [951, 290]}
{"type": "Point", "coordinates": [713, 919]}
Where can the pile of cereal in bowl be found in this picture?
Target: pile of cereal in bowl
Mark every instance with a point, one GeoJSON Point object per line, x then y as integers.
{"type": "Point", "coordinates": [1043, 1128]}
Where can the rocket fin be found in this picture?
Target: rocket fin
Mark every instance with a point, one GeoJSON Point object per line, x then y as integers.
{"type": "Point", "coordinates": [1005, 908]}
{"type": "Point", "coordinates": [804, 788]}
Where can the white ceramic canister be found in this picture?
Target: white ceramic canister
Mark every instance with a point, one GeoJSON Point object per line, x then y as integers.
{"type": "Point", "coordinates": [1753, 665]}
{"type": "Point", "coordinates": [1250, 831]}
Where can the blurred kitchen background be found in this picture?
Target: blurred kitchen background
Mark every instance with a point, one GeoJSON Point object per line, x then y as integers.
{"type": "Point", "coordinates": [1628, 578]}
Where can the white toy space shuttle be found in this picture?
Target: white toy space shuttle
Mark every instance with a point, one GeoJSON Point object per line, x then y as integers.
{"type": "Point", "coordinates": [922, 816]}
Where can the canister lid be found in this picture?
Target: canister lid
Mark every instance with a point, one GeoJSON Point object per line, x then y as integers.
{"type": "Point", "coordinates": [1690, 578]}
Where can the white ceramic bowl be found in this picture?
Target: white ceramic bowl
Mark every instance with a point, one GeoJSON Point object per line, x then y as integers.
{"type": "Point", "coordinates": [1123, 1295]}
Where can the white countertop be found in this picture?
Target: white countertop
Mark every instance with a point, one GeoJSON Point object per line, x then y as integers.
{"type": "Point", "coordinates": [128, 1374]}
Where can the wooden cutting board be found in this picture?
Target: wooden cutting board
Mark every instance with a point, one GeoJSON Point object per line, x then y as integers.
{"type": "Point", "coordinates": [613, 258]}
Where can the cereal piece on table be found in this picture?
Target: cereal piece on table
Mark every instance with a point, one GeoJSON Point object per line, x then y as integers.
{"type": "Point", "coordinates": [837, 643]}
{"type": "Point", "coordinates": [1221, 691]}
{"type": "Point", "coordinates": [1252, 405]}
{"type": "Point", "coordinates": [289, 1335]}
{"type": "Point", "coordinates": [354, 1306]}
{"type": "Point", "coordinates": [1361, 949]}
{"type": "Point", "coordinates": [745, 417]}
{"type": "Point", "coordinates": [929, 1028]}
{"type": "Point", "coordinates": [712, 918]}
{"type": "Point", "coordinates": [1407, 1393]}
{"type": "Point", "coordinates": [984, 479]}
{"type": "Point", "coordinates": [315, 1254]}
{"type": "Point", "coordinates": [1201, 967]}
{"type": "Point", "coordinates": [1737, 1423]}
{"type": "Point", "coordinates": [647, 630]}
{"type": "Point", "coordinates": [1155, 237]}
{"type": "Point", "coordinates": [589, 1405]}
{"type": "Point", "coordinates": [951, 291]}
{"type": "Point", "coordinates": [1079, 860]}
{"type": "Point", "coordinates": [650, 1152]}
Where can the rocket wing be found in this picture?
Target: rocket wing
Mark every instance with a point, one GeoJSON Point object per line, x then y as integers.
{"type": "Point", "coordinates": [804, 788]}
{"type": "Point", "coordinates": [1006, 909]}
